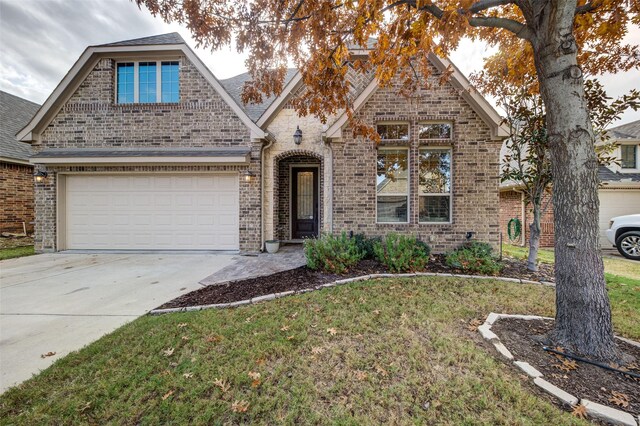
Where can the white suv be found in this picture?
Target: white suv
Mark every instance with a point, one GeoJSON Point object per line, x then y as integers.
{"type": "Point", "coordinates": [624, 234]}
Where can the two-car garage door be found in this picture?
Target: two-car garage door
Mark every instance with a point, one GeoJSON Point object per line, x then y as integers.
{"type": "Point", "coordinates": [152, 212]}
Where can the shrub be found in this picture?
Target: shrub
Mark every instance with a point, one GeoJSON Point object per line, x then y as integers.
{"type": "Point", "coordinates": [335, 254]}
{"type": "Point", "coordinates": [365, 245]}
{"type": "Point", "coordinates": [401, 253]}
{"type": "Point", "coordinates": [474, 257]}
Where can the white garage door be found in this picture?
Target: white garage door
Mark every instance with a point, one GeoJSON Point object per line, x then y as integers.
{"type": "Point", "coordinates": [150, 212]}
{"type": "Point", "coordinates": [616, 202]}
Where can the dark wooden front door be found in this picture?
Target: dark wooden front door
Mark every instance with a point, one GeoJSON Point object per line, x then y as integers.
{"type": "Point", "coordinates": [304, 202]}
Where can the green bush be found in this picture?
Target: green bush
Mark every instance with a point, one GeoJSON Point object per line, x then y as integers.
{"type": "Point", "coordinates": [365, 245]}
{"type": "Point", "coordinates": [400, 253]}
{"type": "Point", "coordinates": [474, 257]}
{"type": "Point", "coordinates": [335, 254]}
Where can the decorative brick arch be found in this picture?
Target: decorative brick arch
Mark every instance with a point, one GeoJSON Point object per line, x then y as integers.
{"type": "Point", "coordinates": [281, 188]}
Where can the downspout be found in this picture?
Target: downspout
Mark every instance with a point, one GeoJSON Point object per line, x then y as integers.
{"type": "Point", "coordinates": [270, 139]}
{"type": "Point", "coordinates": [329, 189]}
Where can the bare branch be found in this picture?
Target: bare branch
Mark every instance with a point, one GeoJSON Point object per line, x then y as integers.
{"type": "Point", "coordinates": [589, 6]}
{"type": "Point", "coordinates": [519, 29]}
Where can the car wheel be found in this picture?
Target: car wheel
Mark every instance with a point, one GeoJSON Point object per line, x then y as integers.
{"type": "Point", "coordinates": [628, 245]}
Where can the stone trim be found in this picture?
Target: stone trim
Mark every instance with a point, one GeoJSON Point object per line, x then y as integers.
{"type": "Point", "coordinates": [596, 411]}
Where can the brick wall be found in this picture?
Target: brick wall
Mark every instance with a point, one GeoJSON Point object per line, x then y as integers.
{"type": "Point", "coordinates": [511, 207]}
{"type": "Point", "coordinates": [475, 168]}
{"type": "Point", "coordinates": [91, 119]}
{"type": "Point", "coordinates": [16, 197]}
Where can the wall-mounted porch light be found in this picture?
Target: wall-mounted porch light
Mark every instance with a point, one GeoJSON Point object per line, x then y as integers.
{"type": "Point", "coordinates": [297, 136]}
{"type": "Point", "coordinates": [40, 176]}
{"type": "Point", "coordinates": [248, 175]}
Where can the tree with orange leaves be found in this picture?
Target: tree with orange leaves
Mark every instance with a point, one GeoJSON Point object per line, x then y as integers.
{"type": "Point", "coordinates": [556, 41]}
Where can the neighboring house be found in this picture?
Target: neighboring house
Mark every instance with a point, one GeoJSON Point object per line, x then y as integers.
{"type": "Point", "coordinates": [619, 191]}
{"type": "Point", "coordinates": [16, 173]}
{"type": "Point", "coordinates": [145, 149]}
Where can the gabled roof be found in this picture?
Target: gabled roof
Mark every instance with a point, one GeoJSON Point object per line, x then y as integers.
{"type": "Point", "coordinates": [607, 175]}
{"type": "Point", "coordinates": [477, 102]}
{"type": "Point", "coordinates": [169, 38]}
{"type": "Point", "coordinates": [626, 131]}
{"type": "Point", "coordinates": [15, 113]}
{"type": "Point", "coordinates": [234, 85]}
{"type": "Point", "coordinates": [162, 43]}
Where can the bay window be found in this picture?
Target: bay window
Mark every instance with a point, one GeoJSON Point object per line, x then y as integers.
{"type": "Point", "coordinates": [392, 185]}
{"type": "Point", "coordinates": [434, 182]}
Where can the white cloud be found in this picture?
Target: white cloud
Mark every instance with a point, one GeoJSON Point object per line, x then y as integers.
{"type": "Point", "coordinates": [41, 39]}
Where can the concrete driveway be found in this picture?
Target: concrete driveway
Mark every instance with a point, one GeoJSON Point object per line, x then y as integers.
{"type": "Point", "coordinates": [62, 302]}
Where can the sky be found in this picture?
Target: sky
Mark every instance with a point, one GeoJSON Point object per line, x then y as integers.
{"type": "Point", "coordinates": [41, 39]}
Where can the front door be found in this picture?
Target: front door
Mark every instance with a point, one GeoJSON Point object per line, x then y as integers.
{"type": "Point", "coordinates": [304, 202]}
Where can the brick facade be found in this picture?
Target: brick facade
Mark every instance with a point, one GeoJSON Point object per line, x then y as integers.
{"type": "Point", "coordinates": [16, 198]}
{"type": "Point", "coordinates": [91, 119]}
{"type": "Point", "coordinates": [475, 168]}
{"type": "Point", "coordinates": [511, 207]}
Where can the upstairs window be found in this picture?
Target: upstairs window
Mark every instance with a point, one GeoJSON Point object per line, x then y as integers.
{"type": "Point", "coordinates": [629, 156]}
{"type": "Point", "coordinates": [393, 131]}
{"type": "Point", "coordinates": [435, 185]}
{"type": "Point", "coordinates": [435, 131]}
{"type": "Point", "coordinates": [147, 82]}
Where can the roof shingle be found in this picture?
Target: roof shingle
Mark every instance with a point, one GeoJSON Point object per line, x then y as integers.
{"type": "Point", "coordinates": [626, 131]}
{"type": "Point", "coordinates": [15, 113]}
{"type": "Point", "coordinates": [169, 38]}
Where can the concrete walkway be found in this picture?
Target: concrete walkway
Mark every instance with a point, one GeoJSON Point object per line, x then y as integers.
{"type": "Point", "coordinates": [62, 302]}
{"type": "Point", "coordinates": [246, 267]}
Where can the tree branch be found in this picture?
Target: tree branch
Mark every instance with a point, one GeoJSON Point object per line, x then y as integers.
{"type": "Point", "coordinates": [589, 6]}
{"type": "Point", "coordinates": [488, 4]}
{"type": "Point", "coordinates": [519, 29]}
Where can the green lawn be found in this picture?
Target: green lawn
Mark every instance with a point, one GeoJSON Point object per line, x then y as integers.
{"type": "Point", "coordinates": [10, 253]}
{"type": "Point", "coordinates": [397, 345]}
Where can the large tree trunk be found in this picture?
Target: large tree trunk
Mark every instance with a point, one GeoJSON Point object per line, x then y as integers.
{"type": "Point", "coordinates": [583, 316]}
{"type": "Point", "coordinates": [534, 237]}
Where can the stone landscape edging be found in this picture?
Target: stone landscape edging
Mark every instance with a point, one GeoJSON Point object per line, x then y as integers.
{"type": "Point", "coordinates": [273, 296]}
{"type": "Point", "coordinates": [594, 410]}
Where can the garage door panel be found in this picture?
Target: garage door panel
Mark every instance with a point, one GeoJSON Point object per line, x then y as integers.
{"type": "Point", "coordinates": [152, 212]}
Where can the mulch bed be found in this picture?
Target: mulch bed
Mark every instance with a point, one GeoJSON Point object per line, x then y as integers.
{"type": "Point", "coordinates": [303, 278]}
{"type": "Point", "coordinates": [522, 338]}
{"type": "Point", "coordinates": [15, 241]}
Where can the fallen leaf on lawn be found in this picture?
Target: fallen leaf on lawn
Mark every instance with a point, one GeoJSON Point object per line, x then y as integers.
{"type": "Point", "coordinates": [332, 331]}
{"type": "Point", "coordinates": [222, 384]}
{"type": "Point", "coordinates": [317, 350]}
{"type": "Point", "coordinates": [168, 351]}
{"type": "Point", "coordinates": [213, 338]}
{"type": "Point", "coordinates": [381, 371]}
{"type": "Point", "coordinates": [85, 407]}
{"type": "Point", "coordinates": [48, 354]}
{"type": "Point", "coordinates": [254, 375]}
{"type": "Point", "coordinates": [256, 383]}
{"type": "Point", "coordinates": [474, 324]}
{"type": "Point", "coordinates": [261, 361]}
{"type": "Point", "coordinates": [240, 406]}
{"type": "Point", "coordinates": [314, 325]}
{"type": "Point", "coordinates": [182, 325]}
{"type": "Point", "coordinates": [173, 364]}
{"type": "Point", "coordinates": [167, 395]}
{"type": "Point", "coordinates": [361, 375]}
{"type": "Point", "coordinates": [619, 399]}
{"type": "Point", "coordinates": [284, 328]}
{"type": "Point", "coordinates": [188, 375]}
{"type": "Point", "coordinates": [579, 411]}
{"type": "Point", "coordinates": [249, 319]}
{"type": "Point", "coordinates": [294, 315]}
{"type": "Point", "coordinates": [377, 312]}
{"type": "Point", "coordinates": [290, 337]}
{"type": "Point", "coordinates": [185, 338]}
{"type": "Point", "coordinates": [404, 318]}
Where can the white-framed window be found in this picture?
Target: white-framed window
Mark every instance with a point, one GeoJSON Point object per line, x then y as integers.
{"type": "Point", "coordinates": [440, 130]}
{"type": "Point", "coordinates": [393, 131]}
{"type": "Point", "coordinates": [147, 82]}
{"type": "Point", "coordinates": [392, 185]}
{"type": "Point", "coordinates": [629, 156]}
{"type": "Point", "coordinates": [434, 185]}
